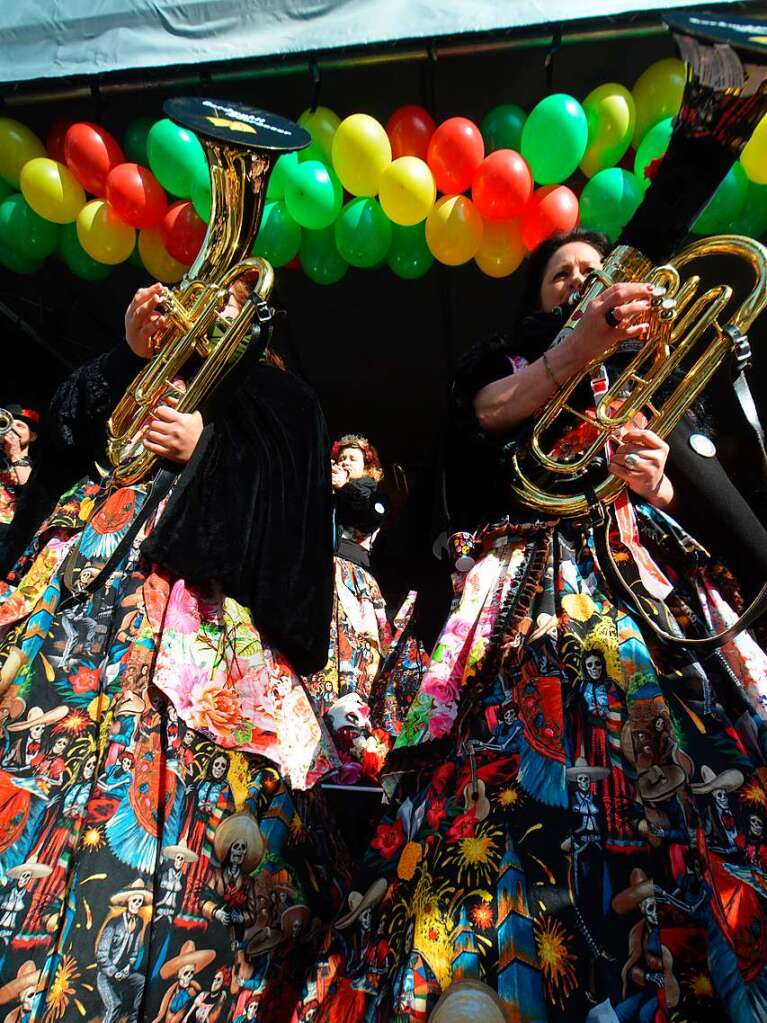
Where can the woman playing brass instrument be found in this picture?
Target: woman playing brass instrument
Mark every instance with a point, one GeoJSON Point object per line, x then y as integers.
{"type": "Point", "coordinates": [574, 821]}
{"type": "Point", "coordinates": [172, 847]}
{"type": "Point", "coordinates": [579, 831]}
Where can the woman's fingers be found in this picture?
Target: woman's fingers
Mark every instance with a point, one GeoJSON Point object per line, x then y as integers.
{"type": "Point", "coordinates": [635, 330]}
{"type": "Point", "coordinates": [166, 414]}
{"type": "Point", "coordinates": [635, 435]}
{"type": "Point", "coordinates": [620, 294]}
{"type": "Point", "coordinates": [630, 310]}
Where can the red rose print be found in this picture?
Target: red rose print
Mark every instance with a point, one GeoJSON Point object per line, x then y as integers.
{"type": "Point", "coordinates": [389, 839]}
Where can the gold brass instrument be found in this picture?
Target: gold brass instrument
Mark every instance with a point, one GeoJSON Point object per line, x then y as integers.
{"type": "Point", "coordinates": [686, 332]}
{"type": "Point", "coordinates": [242, 145]}
{"type": "Point", "coordinates": [6, 422]}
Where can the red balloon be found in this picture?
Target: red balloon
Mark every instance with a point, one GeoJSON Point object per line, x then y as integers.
{"type": "Point", "coordinates": [91, 153]}
{"type": "Point", "coordinates": [455, 152]}
{"type": "Point", "coordinates": [409, 129]}
{"type": "Point", "coordinates": [502, 185]}
{"type": "Point", "coordinates": [553, 209]}
{"type": "Point", "coordinates": [136, 196]}
{"type": "Point", "coordinates": [182, 231]}
{"type": "Point", "coordinates": [54, 143]}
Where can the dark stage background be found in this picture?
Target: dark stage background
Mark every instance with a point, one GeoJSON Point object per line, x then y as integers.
{"type": "Point", "coordinates": [378, 350]}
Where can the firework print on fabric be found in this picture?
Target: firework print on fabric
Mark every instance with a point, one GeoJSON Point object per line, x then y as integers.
{"type": "Point", "coordinates": [580, 821]}
{"type": "Point", "coordinates": [147, 872]}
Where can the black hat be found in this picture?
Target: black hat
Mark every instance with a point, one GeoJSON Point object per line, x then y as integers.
{"type": "Point", "coordinates": [29, 416]}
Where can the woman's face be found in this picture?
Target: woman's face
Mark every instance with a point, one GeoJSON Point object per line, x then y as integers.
{"type": "Point", "coordinates": [566, 271]}
{"type": "Point", "coordinates": [23, 432]}
{"type": "Point", "coordinates": [353, 460]}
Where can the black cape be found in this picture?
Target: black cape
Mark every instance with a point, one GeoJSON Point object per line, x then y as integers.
{"type": "Point", "coordinates": [254, 514]}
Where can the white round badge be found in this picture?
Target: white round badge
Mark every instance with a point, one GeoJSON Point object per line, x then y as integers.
{"type": "Point", "coordinates": [702, 445]}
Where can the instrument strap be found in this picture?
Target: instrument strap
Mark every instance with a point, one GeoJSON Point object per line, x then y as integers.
{"type": "Point", "coordinates": [741, 362]}
{"type": "Point", "coordinates": [657, 617]}
{"type": "Point", "coordinates": [75, 592]}
{"type": "Point", "coordinates": [160, 489]}
{"type": "Point", "coordinates": [653, 579]}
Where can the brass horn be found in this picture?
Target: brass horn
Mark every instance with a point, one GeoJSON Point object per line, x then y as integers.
{"type": "Point", "coordinates": [242, 145]}
{"type": "Point", "coordinates": [6, 421]}
{"type": "Point", "coordinates": [686, 333]}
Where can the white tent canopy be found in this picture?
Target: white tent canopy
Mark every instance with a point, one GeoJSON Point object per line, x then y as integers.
{"type": "Point", "coordinates": [50, 39]}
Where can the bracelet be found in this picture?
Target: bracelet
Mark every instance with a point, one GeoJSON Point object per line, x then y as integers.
{"type": "Point", "coordinates": [25, 462]}
{"type": "Point", "coordinates": [550, 372]}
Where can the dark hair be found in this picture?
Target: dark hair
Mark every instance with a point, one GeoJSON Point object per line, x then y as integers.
{"type": "Point", "coordinates": [539, 260]}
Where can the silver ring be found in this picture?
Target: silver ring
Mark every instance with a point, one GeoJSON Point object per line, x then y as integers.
{"type": "Point", "coordinates": [631, 460]}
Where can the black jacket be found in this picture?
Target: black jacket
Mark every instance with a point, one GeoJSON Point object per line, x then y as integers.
{"type": "Point", "coordinates": [468, 486]}
{"type": "Point", "coordinates": [255, 514]}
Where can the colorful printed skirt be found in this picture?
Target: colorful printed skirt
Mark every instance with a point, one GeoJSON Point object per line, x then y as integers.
{"type": "Point", "coordinates": [154, 863]}
{"type": "Point", "coordinates": [371, 676]}
{"type": "Point", "coordinates": [580, 827]}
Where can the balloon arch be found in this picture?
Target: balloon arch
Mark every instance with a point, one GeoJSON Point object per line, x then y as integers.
{"type": "Point", "coordinates": [363, 194]}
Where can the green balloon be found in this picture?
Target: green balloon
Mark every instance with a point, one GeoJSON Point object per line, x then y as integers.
{"type": "Point", "coordinates": [554, 138]}
{"type": "Point", "coordinates": [609, 200]}
{"type": "Point", "coordinates": [752, 219]}
{"type": "Point", "coordinates": [73, 255]}
{"type": "Point", "coordinates": [363, 232]}
{"type": "Point", "coordinates": [12, 260]}
{"type": "Point", "coordinates": [652, 146]}
{"type": "Point", "coordinates": [279, 236]}
{"type": "Point", "coordinates": [725, 205]}
{"type": "Point", "coordinates": [5, 189]}
{"type": "Point", "coordinates": [201, 191]}
{"type": "Point", "coordinates": [135, 139]}
{"type": "Point", "coordinates": [313, 194]}
{"type": "Point", "coordinates": [502, 127]}
{"type": "Point", "coordinates": [319, 256]}
{"type": "Point", "coordinates": [25, 231]}
{"type": "Point", "coordinates": [175, 157]}
{"type": "Point", "coordinates": [279, 176]}
{"type": "Point", "coordinates": [409, 255]}
{"type": "Point", "coordinates": [312, 152]}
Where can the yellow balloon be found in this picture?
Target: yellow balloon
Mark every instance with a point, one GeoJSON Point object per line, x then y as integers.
{"type": "Point", "coordinates": [102, 234]}
{"type": "Point", "coordinates": [322, 125]}
{"type": "Point", "coordinates": [754, 155]}
{"type": "Point", "coordinates": [361, 153]}
{"type": "Point", "coordinates": [610, 114]}
{"type": "Point", "coordinates": [17, 146]}
{"type": "Point", "coordinates": [156, 258]}
{"type": "Point", "coordinates": [51, 190]}
{"type": "Point", "coordinates": [454, 230]}
{"type": "Point", "coordinates": [501, 249]}
{"type": "Point", "coordinates": [407, 191]}
{"type": "Point", "coordinates": [657, 94]}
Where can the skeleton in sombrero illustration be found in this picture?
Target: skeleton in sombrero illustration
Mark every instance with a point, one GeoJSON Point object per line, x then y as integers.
{"type": "Point", "coordinates": [228, 897]}
{"type": "Point", "coordinates": [13, 896]}
{"type": "Point", "coordinates": [118, 947]}
{"type": "Point", "coordinates": [720, 824]}
{"type": "Point", "coordinates": [31, 729]}
{"type": "Point", "coordinates": [180, 996]}
{"type": "Point", "coordinates": [649, 966]}
{"type": "Point", "coordinates": [21, 990]}
{"type": "Point", "coordinates": [171, 881]}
